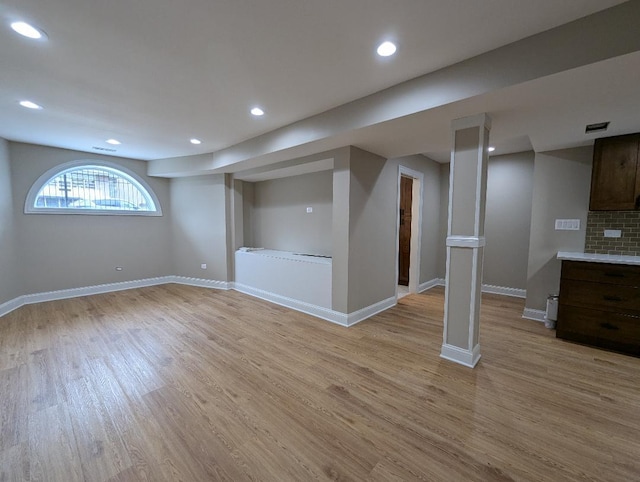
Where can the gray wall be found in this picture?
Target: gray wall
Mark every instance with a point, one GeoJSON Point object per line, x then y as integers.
{"type": "Point", "coordinates": [200, 227]}
{"type": "Point", "coordinates": [372, 230]}
{"type": "Point", "coordinates": [507, 219]}
{"type": "Point", "coordinates": [10, 277]}
{"type": "Point", "coordinates": [562, 181]}
{"type": "Point", "coordinates": [279, 219]}
{"type": "Point", "coordinates": [64, 251]}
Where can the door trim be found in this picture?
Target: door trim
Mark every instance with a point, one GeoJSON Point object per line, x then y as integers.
{"type": "Point", "coordinates": [416, 227]}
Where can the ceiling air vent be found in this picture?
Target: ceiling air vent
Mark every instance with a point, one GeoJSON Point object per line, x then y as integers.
{"type": "Point", "coordinates": [105, 149]}
{"type": "Point", "coordinates": [600, 126]}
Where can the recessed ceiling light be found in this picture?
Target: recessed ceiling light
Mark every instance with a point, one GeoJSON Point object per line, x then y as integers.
{"type": "Point", "coordinates": [257, 111]}
{"type": "Point", "coordinates": [195, 141]}
{"type": "Point", "coordinates": [385, 49]}
{"type": "Point", "coordinates": [491, 149]}
{"type": "Point", "coordinates": [26, 30]}
{"type": "Point", "coordinates": [113, 142]}
{"type": "Point", "coordinates": [30, 105]}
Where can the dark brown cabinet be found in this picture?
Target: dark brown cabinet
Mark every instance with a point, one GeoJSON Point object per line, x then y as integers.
{"type": "Point", "coordinates": [600, 305]}
{"type": "Point", "coordinates": [615, 179]}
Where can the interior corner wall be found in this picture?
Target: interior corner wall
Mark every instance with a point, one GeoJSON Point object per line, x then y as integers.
{"type": "Point", "coordinates": [444, 220]}
{"type": "Point", "coordinates": [510, 181]}
{"type": "Point", "coordinates": [10, 276]}
{"type": "Point", "coordinates": [200, 227]}
{"type": "Point", "coordinates": [279, 217]}
{"type": "Point", "coordinates": [64, 251]}
{"type": "Point", "coordinates": [372, 230]}
{"type": "Point", "coordinates": [508, 219]}
{"type": "Point", "coordinates": [430, 236]}
{"type": "Point", "coordinates": [561, 186]}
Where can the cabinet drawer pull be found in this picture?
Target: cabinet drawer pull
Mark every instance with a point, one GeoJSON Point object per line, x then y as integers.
{"type": "Point", "coordinates": [608, 326]}
{"type": "Point", "coordinates": [611, 298]}
{"type": "Point", "coordinates": [613, 274]}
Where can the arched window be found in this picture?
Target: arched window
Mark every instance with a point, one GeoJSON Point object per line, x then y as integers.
{"type": "Point", "coordinates": [89, 187]}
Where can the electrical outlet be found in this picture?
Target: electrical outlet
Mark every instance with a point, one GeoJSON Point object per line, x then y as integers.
{"type": "Point", "coordinates": [309, 210]}
{"type": "Point", "coordinates": [612, 233]}
{"type": "Point", "coordinates": [203, 266]}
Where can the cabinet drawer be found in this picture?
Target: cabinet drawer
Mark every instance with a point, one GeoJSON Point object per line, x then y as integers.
{"type": "Point", "coordinates": [600, 328]}
{"type": "Point", "coordinates": [600, 296]}
{"type": "Point", "coordinates": [618, 274]}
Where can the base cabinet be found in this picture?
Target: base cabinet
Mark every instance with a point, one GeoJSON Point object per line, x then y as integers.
{"type": "Point", "coordinates": [599, 305]}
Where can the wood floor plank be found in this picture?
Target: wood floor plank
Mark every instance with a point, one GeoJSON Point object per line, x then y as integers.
{"type": "Point", "coordinates": [180, 383]}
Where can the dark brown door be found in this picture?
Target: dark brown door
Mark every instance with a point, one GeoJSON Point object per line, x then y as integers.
{"type": "Point", "coordinates": [406, 187]}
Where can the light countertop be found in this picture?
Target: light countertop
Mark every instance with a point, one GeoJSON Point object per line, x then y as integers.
{"type": "Point", "coordinates": [599, 258]}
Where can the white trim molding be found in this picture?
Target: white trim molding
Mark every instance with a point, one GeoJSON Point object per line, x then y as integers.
{"type": "Point", "coordinates": [20, 301]}
{"type": "Point", "coordinates": [504, 290]}
{"type": "Point", "coordinates": [369, 311]}
{"type": "Point", "coordinates": [308, 308]}
{"type": "Point", "coordinates": [460, 355]}
{"type": "Point", "coordinates": [427, 285]}
{"type": "Point", "coordinates": [535, 315]}
{"type": "Point", "coordinates": [458, 241]}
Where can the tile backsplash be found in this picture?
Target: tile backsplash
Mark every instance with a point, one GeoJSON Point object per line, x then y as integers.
{"type": "Point", "coordinates": [626, 221]}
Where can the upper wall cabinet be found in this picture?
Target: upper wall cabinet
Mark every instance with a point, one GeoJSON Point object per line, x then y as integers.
{"type": "Point", "coordinates": [615, 180]}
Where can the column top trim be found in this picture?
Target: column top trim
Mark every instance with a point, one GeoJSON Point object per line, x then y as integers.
{"type": "Point", "coordinates": [478, 120]}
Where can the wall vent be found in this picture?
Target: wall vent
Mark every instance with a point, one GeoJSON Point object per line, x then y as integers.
{"type": "Point", "coordinates": [600, 126]}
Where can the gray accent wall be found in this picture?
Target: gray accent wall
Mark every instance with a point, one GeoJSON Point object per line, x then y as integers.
{"type": "Point", "coordinates": [279, 219]}
{"type": "Point", "coordinates": [507, 219]}
{"type": "Point", "coordinates": [63, 251]}
{"type": "Point", "coordinates": [10, 277]}
{"type": "Point", "coordinates": [201, 227]}
{"type": "Point", "coordinates": [562, 182]}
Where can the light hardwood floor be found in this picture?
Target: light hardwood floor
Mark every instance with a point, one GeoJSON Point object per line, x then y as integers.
{"type": "Point", "coordinates": [182, 383]}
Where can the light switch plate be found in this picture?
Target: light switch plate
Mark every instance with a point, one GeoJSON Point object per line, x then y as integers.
{"type": "Point", "coordinates": [567, 224]}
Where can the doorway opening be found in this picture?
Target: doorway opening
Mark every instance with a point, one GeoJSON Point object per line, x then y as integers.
{"type": "Point", "coordinates": [409, 230]}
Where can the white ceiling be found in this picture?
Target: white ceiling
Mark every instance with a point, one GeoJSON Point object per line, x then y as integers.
{"type": "Point", "coordinates": [154, 73]}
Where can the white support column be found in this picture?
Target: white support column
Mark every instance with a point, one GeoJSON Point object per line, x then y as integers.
{"type": "Point", "coordinates": [465, 239]}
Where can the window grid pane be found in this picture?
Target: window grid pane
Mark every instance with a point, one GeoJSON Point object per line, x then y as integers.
{"type": "Point", "coordinates": [94, 188]}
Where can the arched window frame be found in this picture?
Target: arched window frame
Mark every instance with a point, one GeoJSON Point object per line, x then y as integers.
{"type": "Point", "coordinates": [44, 179]}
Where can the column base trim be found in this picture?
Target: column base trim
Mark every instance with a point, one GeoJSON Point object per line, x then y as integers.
{"type": "Point", "coordinates": [468, 358]}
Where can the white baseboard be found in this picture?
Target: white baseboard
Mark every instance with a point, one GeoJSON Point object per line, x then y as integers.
{"type": "Point", "coordinates": [16, 303]}
{"type": "Point", "coordinates": [468, 358]}
{"type": "Point", "coordinates": [369, 311]}
{"type": "Point", "coordinates": [497, 290]}
{"type": "Point", "coordinates": [503, 290]}
{"type": "Point", "coordinates": [314, 310]}
{"type": "Point", "coordinates": [318, 311]}
{"type": "Point", "coordinates": [9, 306]}
{"type": "Point", "coordinates": [427, 285]}
{"type": "Point", "coordinates": [536, 315]}
{"type": "Point", "coordinates": [202, 283]}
